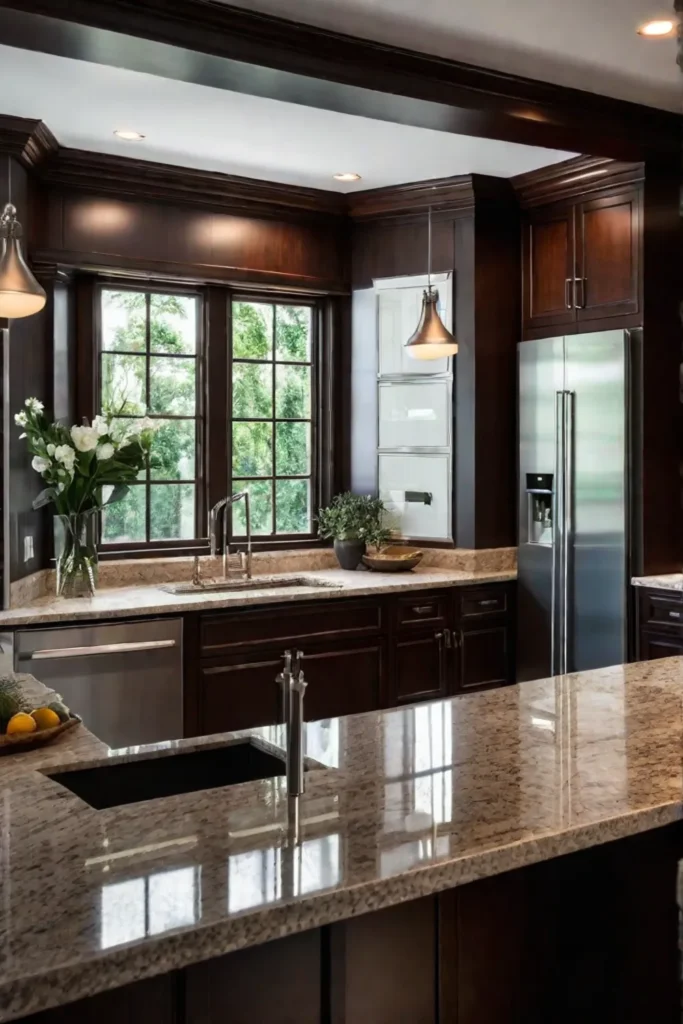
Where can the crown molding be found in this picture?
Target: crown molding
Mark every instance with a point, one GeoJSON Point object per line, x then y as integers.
{"type": "Point", "coordinates": [31, 142]}
{"type": "Point", "coordinates": [574, 177]}
{"type": "Point", "coordinates": [454, 194]}
{"type": "Point", "coordinates": [143, 179]}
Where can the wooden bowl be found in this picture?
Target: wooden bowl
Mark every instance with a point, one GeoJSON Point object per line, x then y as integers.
{"type": "Point", "coordinates": [394, 559]}
{"type": "Point", "coordinates": [24, 741]}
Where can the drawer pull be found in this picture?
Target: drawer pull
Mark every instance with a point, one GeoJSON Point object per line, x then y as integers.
{"type": "Point", "coordinates": [422, 609]}
{"type": "Point", "coordinates": [488, 603]}
{"type": "Point", "coordinates": [674, 615]}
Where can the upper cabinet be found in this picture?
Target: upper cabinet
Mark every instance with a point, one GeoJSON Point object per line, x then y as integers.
{"type": "Point", "coordinates": [582, 253]}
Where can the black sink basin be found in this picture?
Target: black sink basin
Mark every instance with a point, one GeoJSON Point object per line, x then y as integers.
{"type": "Point", "coordinates": [130, 782]}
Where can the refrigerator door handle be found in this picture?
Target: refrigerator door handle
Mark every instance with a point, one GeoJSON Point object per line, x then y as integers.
{"type": "Point", "coordinates": [557, 588]}
{"type": "Point", "coordinates": [568, 517]}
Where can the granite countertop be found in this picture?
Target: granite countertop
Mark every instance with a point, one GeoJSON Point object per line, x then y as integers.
{"type": "Point", "coordinates": [413, 801]}
{"type": "Point", "coordinates": [667, 581]}
{"type": "Point", "coordinates": [146, 599]}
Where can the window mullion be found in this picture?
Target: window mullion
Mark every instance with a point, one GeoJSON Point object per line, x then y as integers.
{"type": "Point", "coordinates": [273, 430]}
{"type": "Point", "coordinates": [148, 471]}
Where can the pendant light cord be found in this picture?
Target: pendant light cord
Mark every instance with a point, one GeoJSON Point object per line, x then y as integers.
{"type": "Point", "coordinates": [429, 251]}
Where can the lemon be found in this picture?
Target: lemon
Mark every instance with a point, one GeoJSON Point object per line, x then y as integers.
{"type": "Point", "coordinates": [45, 718]}
{"type": "Point", "coordinates": [20, 723]}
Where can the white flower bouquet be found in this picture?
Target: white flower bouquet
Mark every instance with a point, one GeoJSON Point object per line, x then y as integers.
{"type": "Point", "coordinates": [79, 462]}
{"type": "Point", "coordinates": [85, 468]}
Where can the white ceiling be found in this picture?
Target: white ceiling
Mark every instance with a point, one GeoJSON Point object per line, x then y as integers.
{"type": "Point", "coordinates": [587, 44]}
{"type": "Point", "coordinates": [195, 126]}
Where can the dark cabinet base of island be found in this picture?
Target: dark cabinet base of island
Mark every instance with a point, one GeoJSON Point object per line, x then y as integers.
{"type": "Point", "coordinates": [588, 937]}
{"type": "Point", "coordinates": [358, 654]}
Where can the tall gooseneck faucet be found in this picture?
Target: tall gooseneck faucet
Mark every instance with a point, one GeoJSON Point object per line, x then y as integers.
{"type": "Point", "coordinates": [223, 505]}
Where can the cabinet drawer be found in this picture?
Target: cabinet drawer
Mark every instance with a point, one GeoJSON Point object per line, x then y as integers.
{"type": "Point", "coordinates": [420, 609]}
{"type": "Point", "coordinates": [288, 622]}
{"type": "Point", "coordinates": [483, 601]}
{"type": "Point", "coordinates": [662, 608]}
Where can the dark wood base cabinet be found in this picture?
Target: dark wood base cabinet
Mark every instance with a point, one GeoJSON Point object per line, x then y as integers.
{"type": "Point", "coordinates": [590, 937]}
{"type": "Point", "coordinates": [660, 624]}
{"type": "Point", "coordinates": [357, 654]}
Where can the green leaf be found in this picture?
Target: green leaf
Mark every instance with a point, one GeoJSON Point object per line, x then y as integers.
{"type": "Point", "coordinates": [45, 497]}
{"type": "Point", "coordinates": [118, 494]}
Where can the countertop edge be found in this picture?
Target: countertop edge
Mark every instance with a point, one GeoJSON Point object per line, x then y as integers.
{"type": "Point", "coordinates": [37, 992]}
{"type": "Point", "coordinates": [431, 579]}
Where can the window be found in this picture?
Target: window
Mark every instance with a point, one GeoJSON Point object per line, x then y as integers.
{"type": "Point", "coordinates": [272, 402]}
{"type": "Point", "coordinates": [149, 347]}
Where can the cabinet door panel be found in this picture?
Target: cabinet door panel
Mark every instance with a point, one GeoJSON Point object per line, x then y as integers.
{"type": "Point", "coordinates": [242, 693]}
{"type": "Point", "coordinates": [239, 694]}
{"type": "Point", "coordinates": [420, 669]}
{"type": "Point", "coordinates": [653, 646]}
{"type": "Point", "coordinates": [608, 247]}
{"type": "Point", "coordinates": [549, 267]}
{"type": "Point", "coordinates": [484, 658]}
{"type": "Point", "coordinates": [346, 680]}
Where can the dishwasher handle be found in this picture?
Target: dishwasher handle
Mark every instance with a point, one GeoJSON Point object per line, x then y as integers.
{"type": "Point", "coordinates": [85, 652]}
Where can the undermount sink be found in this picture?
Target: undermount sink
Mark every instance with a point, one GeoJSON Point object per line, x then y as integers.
{"type": "Point", "coordinates": [260, 583]}
{"type": "Point", "coordinates": [130, 782]}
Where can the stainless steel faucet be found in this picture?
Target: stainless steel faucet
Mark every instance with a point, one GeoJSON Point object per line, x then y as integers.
{"type": "Point", "coordinates": [243, 563]}
{"type": "Point", "coordinates": [293, 691]}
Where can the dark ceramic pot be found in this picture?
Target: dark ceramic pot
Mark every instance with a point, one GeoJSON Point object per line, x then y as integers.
{"type": "Point", "coordinates": [349, 552]}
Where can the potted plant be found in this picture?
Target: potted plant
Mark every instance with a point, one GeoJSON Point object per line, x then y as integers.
{"type": "Point", "coordinates": [86, 468]}
{"type": "Point", "coordinates": [353, 520]}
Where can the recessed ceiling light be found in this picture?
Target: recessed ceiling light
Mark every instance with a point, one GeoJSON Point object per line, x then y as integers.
{"type": "Point", "coordinates": [346, 176]}
{"type": "Point", "coordinates": [129, 136]}
{"type": "Point", "coordinates": [659, 29]}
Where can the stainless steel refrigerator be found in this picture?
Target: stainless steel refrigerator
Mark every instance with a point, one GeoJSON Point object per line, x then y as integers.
{"type": "Point", "coordinates": [574, 445]}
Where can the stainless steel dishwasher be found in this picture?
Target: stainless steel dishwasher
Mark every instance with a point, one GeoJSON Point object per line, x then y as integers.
{"type": "Point", "coordinates": [124, 679]}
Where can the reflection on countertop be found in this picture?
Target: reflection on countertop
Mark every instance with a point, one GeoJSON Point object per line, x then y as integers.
{"type": "Point", "coordinates": [411, 801]}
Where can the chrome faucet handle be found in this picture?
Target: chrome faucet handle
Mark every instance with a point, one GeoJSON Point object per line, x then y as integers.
{"type": "Point", "coordinates": [295, 736]}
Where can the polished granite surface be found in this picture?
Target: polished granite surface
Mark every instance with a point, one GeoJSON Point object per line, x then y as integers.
{"type": "Point", "coordinates": [667, 581]}
{"type": "Point", "coordinates": [412, 801]}
{"type": "Point", "coordinates": [328, 584]}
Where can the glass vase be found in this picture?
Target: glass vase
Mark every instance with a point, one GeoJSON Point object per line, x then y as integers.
{"type": "Point", "coordinates": [75, 537]}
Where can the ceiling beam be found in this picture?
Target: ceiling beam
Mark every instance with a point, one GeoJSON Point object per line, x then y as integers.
{"type": "Point", "coordinates": [212, 44]}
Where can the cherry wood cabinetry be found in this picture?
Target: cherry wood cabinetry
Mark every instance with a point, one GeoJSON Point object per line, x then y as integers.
{"type": "Point", "coordinates": [660, 624]}
{"type": "Point", "coordinates": [582, 264]}
{"type": "Point", "coordinates": [357, 654]}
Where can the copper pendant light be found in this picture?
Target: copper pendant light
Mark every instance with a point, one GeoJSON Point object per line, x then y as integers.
{"type": "Point", "coordinates": [20, 293]}
{"type": "Point", "coordinates": [431, 339]}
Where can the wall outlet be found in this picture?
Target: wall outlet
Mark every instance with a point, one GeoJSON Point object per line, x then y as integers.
{"type": "Point", "coordinates": [28, 547]}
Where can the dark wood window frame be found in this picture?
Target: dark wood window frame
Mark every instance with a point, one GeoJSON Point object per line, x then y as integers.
{"type": "Point", "coordinates": [329, 407]}
{"type": "Point", "coordinates": [313, 362]}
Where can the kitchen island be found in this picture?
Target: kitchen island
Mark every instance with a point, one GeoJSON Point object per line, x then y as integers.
{"type": "Point", "coordinates": [505, 856]}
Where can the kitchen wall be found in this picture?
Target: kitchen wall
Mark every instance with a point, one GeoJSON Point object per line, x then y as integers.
{"type": "Point", "coordinates": [475, 235]}
{"type": "Point", "coordinates": [199, 229]}
{"type": "Point", "coordinates": [27, 362]}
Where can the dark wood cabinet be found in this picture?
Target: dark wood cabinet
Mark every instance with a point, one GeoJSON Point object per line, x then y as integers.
{"type": "Point", "coordinates": [358, 655]}
{"type": "Point", "coordinates": [343, 678]}
{"type": "Point", "coordinates": [420, 668]}
{"type": "Point", "coordinates": [483, 657]}
{"type": "Point", "coordinates": [654, 645]}
{"type": "Point", "coordinates": [659, 624]}
{"type": "Point", "coordinates": [238, 693]}
{"type": "Point", "coordinates": [549, 266]}
{"type": "Point", "coordinates": [607, 233]}
{"type": "Point", "coordinates": [582, 264]}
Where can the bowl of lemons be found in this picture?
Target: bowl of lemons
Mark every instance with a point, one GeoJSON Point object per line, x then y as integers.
{"type": "Point", "coordinates": [25, 722]}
